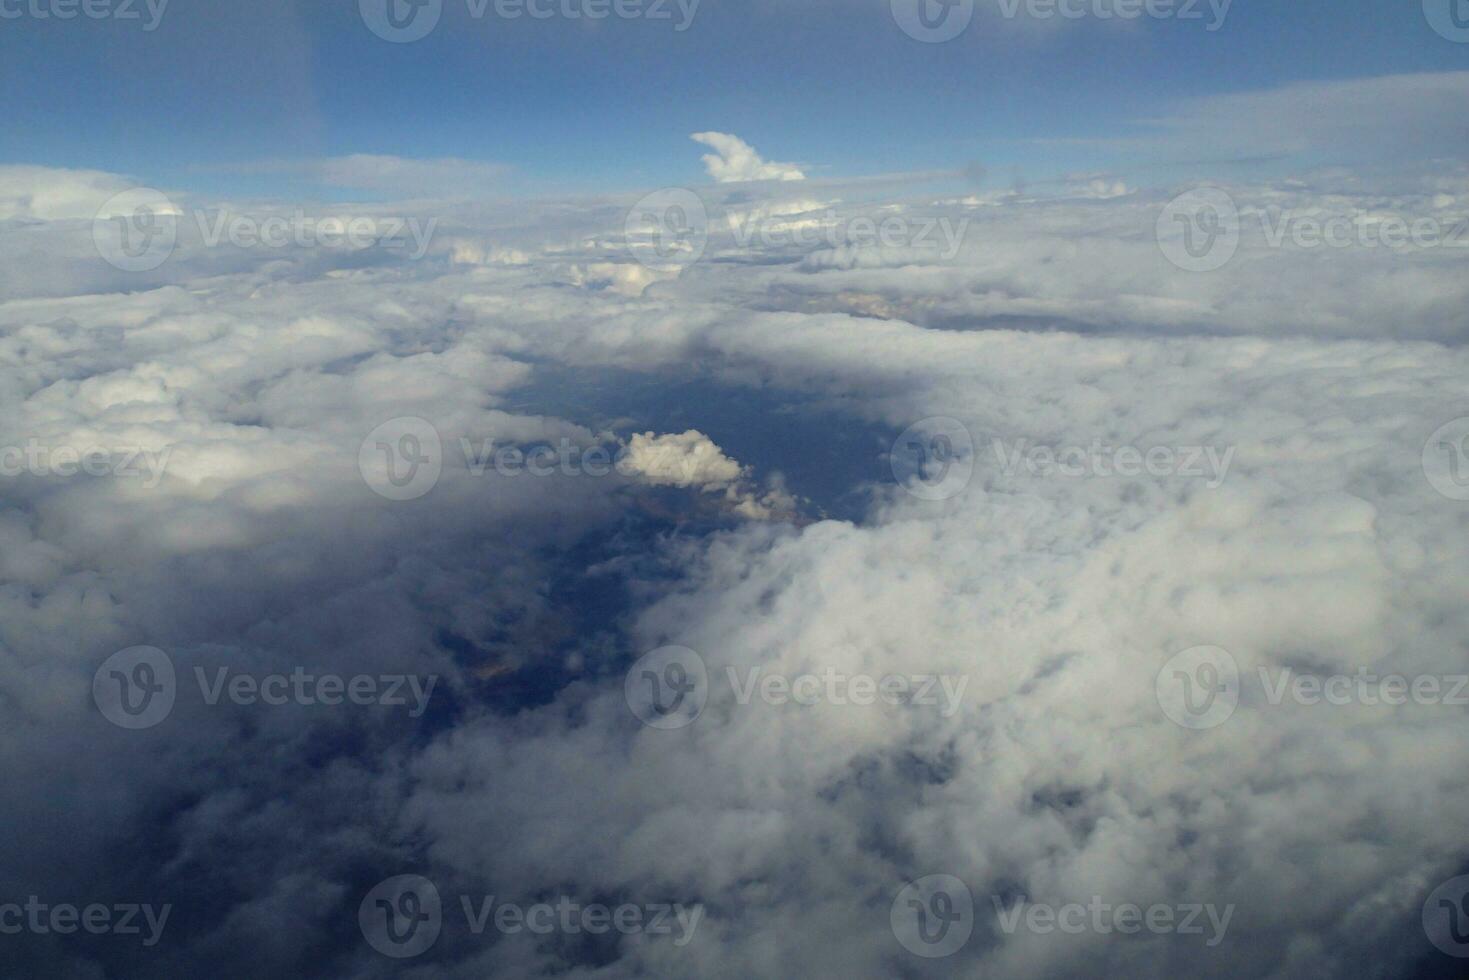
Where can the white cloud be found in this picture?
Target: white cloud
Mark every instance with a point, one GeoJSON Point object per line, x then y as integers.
{"type": "Point", "coordinates": [734, 160]}
{"type": "Point", "coordinates": [690, 459]}
{"type": "Point", "coordinates": [755, 377]}
{"type": "Point", "coordinates": [50, 194]}
{"type": "Point", "coordinates": [1398, 118]}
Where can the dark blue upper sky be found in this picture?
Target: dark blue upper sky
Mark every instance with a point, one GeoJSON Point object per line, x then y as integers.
{"type": "Point", "coordinates": [833, 85]}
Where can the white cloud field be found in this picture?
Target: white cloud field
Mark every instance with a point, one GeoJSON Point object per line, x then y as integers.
{"type": "Point", "coordinates": [1124, 460]}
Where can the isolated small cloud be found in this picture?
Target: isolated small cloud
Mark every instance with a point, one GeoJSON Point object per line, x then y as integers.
{"type": "Point", "coordinates": [692, 460]}
{"type": "Point", "coordinates": [689, 459]}
{"type": "Point", "coordinates": [734, 160]}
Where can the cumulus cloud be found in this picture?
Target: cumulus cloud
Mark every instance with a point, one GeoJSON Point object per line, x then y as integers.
{"type": "Point", "coordinates": [692, 460]}
{"type": "Point", "coordinates": [689, 459]}
{"type": "Point", "coordinates": [734, 160]}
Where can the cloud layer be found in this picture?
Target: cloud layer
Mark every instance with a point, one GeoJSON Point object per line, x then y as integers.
{"type": "Point", "coordinates": [1000, 356]}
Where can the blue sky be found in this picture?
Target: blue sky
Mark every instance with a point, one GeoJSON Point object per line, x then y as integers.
{"type": "Point", "coordinates": [563, 106]}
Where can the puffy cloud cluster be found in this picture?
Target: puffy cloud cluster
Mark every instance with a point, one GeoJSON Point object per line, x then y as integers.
{"type": "Point", "coordinates": [734, 160]}
{"type": "Point", "coordinates": [758, 395]}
